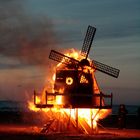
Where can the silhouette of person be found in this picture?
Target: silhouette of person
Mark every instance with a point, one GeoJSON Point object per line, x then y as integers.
{"type": "Point", "coordinates": [138, 118]}
{"type": "Point", "coordinates": [122, 116]}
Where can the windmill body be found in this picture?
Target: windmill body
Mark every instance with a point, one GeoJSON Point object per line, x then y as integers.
{"type": "Point", "coordinates": [75, 80]}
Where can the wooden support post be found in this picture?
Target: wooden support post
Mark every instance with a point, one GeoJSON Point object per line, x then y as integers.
{"type": "Point", "coordinates": [76, 117]}
{"type": "Point", "coordinates": [101, 94]}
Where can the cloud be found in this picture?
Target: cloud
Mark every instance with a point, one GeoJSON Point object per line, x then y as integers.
{"type": "Point", "coordinates": [11, 66]}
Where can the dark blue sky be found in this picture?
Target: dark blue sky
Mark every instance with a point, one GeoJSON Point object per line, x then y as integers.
{"type": "Point", "coordinates": [30, 28]}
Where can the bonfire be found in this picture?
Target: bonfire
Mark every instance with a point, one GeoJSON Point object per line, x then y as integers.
{"type": "Point", "coordinates": [74, 102]}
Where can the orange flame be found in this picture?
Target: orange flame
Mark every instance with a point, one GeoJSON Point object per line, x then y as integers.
{"type": "Point", "coordinates": [31, 105]}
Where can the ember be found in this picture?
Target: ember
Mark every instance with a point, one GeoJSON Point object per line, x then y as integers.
{"type": "Point", "coordinates": [75, 97]}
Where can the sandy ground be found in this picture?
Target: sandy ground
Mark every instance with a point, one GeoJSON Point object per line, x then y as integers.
{"type": "Point", "coordinates": [21, 132]}
{"type": "Point", "coordinates": [126, 133]}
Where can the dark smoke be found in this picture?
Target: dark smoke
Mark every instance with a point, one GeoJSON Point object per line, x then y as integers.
{"type": "Point", "coordinates": [23, 37]}
{"type": "Point", "coordinates": [25, 44]}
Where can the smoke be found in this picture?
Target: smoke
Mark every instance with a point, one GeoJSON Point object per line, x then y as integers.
{"type": "Point", "coordinates": [23, 37]}
{"type": "Point", "coordinates": [25, 44]}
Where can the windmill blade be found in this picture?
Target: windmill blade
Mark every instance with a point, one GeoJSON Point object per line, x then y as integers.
{"type": "Point", "coordinates": [88, 41]}
{"type": "Point", "coordinates": [59, 57]}
{"type": "Point", "coordinates": [106, 69]}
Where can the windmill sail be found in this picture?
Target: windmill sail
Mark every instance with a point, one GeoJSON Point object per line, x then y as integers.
{"type": "Point", "coordinates": [59, 57]}
{"type": "Point", "coordinates": [88, 41]}
{"type": "Point", "coordinates": [106, 69]}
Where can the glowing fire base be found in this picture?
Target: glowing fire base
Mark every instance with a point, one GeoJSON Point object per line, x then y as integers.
{"type": "Point", "coordinates": [71, 121]}
{"type": "Point", "coordinates": [65, 119]}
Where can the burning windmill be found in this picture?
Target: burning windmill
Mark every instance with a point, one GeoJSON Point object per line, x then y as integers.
{"type": "Point", "coordinates": [75, 86]}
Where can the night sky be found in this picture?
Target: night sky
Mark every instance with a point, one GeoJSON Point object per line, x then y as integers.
{"type": "Point", "coordinates": [29, 29]}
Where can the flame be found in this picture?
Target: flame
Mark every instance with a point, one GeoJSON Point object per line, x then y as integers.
{"type": "Point", "coordinates": [54, 76]}
{"type": "Point", "coordinates": [73, 54]}
{"type": "Point", "coordinates": [32, 106]}
{"type": "Point", "coordinates": [38, 100]}
{"type": "Point", "coordinates": [58, 100]}
{"type": "Point", "coordinates": [88, 116]}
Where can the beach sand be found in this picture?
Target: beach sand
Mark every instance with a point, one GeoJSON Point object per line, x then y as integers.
{"type": "Point", "coordinates": [23, 126]}
{"type": "Point", "coordinates": [20, 132]}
